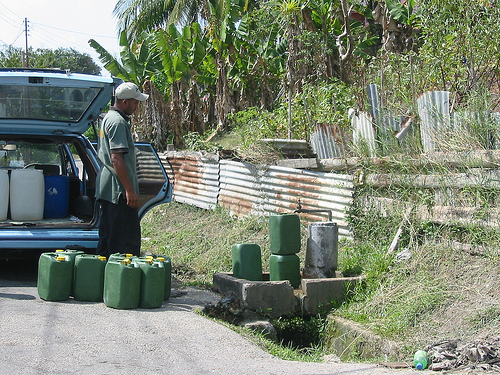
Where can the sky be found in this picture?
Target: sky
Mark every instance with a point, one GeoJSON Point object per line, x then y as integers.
{"type": "Point", "coordinates": [60, 23]}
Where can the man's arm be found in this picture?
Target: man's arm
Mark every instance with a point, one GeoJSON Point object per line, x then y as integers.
{"type": "Point", "coordinates": [121, 172]}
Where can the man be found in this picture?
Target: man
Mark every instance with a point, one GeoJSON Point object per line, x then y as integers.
{"type": "Point", "coordinates": [117, 188]}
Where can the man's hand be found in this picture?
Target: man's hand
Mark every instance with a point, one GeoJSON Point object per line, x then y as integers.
{"type": "Point", "coordinates": [132, 199]}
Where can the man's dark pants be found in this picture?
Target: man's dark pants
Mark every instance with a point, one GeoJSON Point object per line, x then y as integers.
{"type": "Point", "coordinates": [119, 229]}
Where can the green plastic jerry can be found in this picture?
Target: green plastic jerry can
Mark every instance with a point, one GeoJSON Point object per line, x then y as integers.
{"type": "Point", "coordinates": [72, 254]}
{"type": "Point", "coordinates": [285, 267]}
{"type": "Point", "coordinates": [284, 234]}
{"type": "Point", "coordinates": [88, 277]}
{"type": "Point", "coordinates": [167, 265]}
{"type": "Point", "coordinates": [152, 282]}
{"type": "Point", "coordinates": [122, 284]}
{"type": "Point", "coordinates": [246, 261]}
{"type": "Point", "coordinates": [55, 272]}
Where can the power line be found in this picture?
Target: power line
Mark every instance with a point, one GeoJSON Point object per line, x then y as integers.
{"type": "Point", "coordinates": [57, 39]}
{"type": "Point", "coordinates": [13, 23]}
{"type": "Point", "coordinates": [9, 20]}
{"type": "Point", "coordinates": [11, 11]}
{"type": "Point", "coordinates": [17, 24]}
{"type": "Point", "coordinates": [44, 39]}
{"type": "Point", "coordinates": [21, 31]}
{"type": "Point", "coordinates": [75, 32]}
{"type": "Point", "coordinates": [44, 34]}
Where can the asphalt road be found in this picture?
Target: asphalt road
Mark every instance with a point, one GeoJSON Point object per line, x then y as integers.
{"type": "Point", "coordinates": [73, 337]}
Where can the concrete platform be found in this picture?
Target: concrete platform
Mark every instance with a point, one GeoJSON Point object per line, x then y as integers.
{"type": "Point", "coordinates": [279, 298]}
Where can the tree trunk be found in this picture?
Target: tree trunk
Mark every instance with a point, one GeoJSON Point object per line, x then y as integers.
{"type": "Point", "coordinates": [150, 122]}
{"type": "Point", "coordinates": [194, 110]}
{"type": "Point", "coordinates": [176, 114]}
{"type": "Point", "coordinates": [223, 100]}
{"type": "Point", "coordinates": [291, 66]}
{"type": "Point", "coordinates": [266, 94]}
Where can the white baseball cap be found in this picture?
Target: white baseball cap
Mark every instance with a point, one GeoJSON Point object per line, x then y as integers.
{"type": "Point", "coordinates": [129, 90]}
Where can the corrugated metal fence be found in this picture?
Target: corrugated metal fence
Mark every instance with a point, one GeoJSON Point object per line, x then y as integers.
{"type": "Point", "coordinates": [195, 177]}
{"type": "Point", "coordinates": [204, 180]}
{"type": "Point", "coordinates": [371, 130]}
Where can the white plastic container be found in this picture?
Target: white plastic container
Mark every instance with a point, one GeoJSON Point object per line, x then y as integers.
{"type": "Point", "coordinates": [27, 194]}
{"type": "Point", "coordinates": [4, 194]}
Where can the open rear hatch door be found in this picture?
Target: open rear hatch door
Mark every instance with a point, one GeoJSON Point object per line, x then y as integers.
{"type": "Point", "coordinates": [51, 101]}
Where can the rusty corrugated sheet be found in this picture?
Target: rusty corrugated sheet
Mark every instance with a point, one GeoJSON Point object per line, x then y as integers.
{"type": "Point", "coordinates": [286, 187]}
{"type": "Point", "coordinates": [323, 141]}
{"type": "Point", "coordinates": [434, 112]}
{"type": "Point", "coordinates": [246, 189]}
{"type": "Point", "coordinates": [195, 177]}
{"type": "Point", "coordinates": [240, 188]}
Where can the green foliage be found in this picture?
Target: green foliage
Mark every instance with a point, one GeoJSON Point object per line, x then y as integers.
{"type": "Point", "coordinates": [195, 142]}
{"type": "Point", "coordinates": [324, 103]}
{"type": "Point", "coordinates": [449, 56]}
{"type": "Point", "coordinates": [278, 350]}
{"type": "Point", "coordinates": [181, 52]}
{"type": "Point", "coordinates": [137, 63]}
{"type": "Point", "coordinates": [253, 124]}
{"type": "Point", "coordinates": [452, 56]}
{"type": "Point", "coordinates": [406, 15]}
{"type": "Point", "coordinates": [473, 234]}
{"type": "Point", "coordinates": [329, 102]}
{"type": "Point", "coordinates": [487, 316]}
{"type": "Point", "coordinates": [90, 134]}
{"type": "Point", "coordinates": [366, 258]}
{"type": "Point", "coordinates": [300, 333]}
{"type": "Point", "coordinates": [60, 58]}
{"type": "Point", "coordinates": [367, 222]}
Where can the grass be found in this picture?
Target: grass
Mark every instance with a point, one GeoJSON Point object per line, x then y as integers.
{"type": "Point", "coordinates": [439, 293]}
{"type": "Point", "coordinates": [285, 352]}
{"type": "Point", "coordinates": [199, 241]}
{"type": "Point", "coordinates": [199, 244]}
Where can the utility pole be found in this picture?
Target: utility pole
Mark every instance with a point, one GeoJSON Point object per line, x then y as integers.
{"type": "Point", "coordinates": [27, 58]}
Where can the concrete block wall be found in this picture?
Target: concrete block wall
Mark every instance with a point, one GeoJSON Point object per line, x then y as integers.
{"type": "Point", "coordinates": [278, 298]}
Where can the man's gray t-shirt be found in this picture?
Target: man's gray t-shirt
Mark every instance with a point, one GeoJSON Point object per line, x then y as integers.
{"type": "Point", "coordinates": [115, 136]}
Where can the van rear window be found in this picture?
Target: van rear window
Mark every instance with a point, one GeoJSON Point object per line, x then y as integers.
{"type": "Point", "coordinates": [43, 102]}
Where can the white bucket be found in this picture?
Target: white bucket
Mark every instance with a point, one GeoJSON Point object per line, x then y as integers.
{"type": "Point", "coordinates": [27, 194]}
{"type": "Point", "coordinates": [4, 194]}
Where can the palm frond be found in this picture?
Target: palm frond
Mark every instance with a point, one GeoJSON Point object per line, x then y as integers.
{"type": "Point", "coordinates": [109, 62]}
